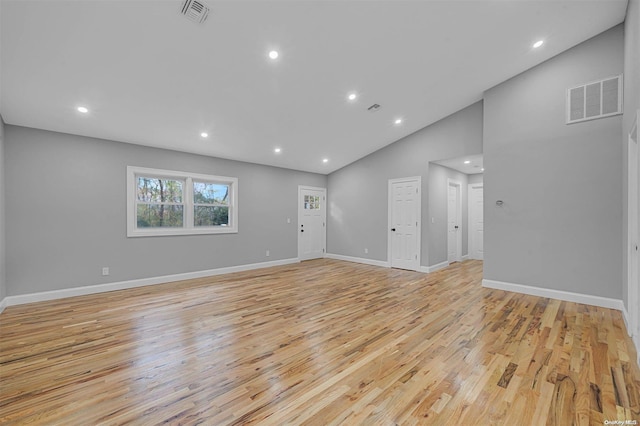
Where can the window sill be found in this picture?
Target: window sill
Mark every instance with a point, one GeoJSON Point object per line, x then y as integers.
{"type": "Point", "coordinates": [181, 231]}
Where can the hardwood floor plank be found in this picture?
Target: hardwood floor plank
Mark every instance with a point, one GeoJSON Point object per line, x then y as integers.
{"type": "Point", "coordinates": [316, 343]}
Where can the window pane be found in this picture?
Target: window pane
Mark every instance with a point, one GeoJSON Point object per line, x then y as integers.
{"type": "Point", "coordinates": [156, 190]}
{"type": "Point", "coordinates": [211, 216]}
{"type": "Point", "coordinates": [159, 216]}
{"type": "Point", "coordinates": [210, 193]}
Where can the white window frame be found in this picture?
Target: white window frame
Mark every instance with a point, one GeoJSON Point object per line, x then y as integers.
{"type": "Point", "coordinates": [188, 228]}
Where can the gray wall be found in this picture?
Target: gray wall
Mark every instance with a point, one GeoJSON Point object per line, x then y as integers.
{"type": "Point", "coordinates": [3, 283]}
{"type": "Point", "coordinates": [66, 210]}
{"type": "Point", "coordinates": [357, 214]}
{"type": "Point", "coordinates": [559, 227]}
{"type": "Point", "coordinates": [438, 205]}
{"type": "Point", "coordinates": [631, 105]}
{"type": "Point", "coordinates": [476, 178]}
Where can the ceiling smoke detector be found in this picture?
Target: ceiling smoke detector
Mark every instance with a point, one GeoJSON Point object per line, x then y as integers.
{"type": "Point", "coordinates": [195, 11]}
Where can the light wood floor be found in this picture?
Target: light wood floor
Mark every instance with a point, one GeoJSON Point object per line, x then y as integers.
{"type": "Point", "coordinates": [322, 342]}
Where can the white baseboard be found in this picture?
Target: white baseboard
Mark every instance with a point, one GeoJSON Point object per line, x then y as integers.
{"type": "Point", "coordinates": [372, 262]}
{"type": "Point", "coordinates": [437, 266]}
{"type": "Point", "coordinates": [586, 299]}
{"type": "Point", "coordinates": [122, 285]}
{"type": "Point", "coordinates": [3, 304]}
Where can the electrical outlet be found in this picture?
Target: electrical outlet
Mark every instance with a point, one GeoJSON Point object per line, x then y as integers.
{"type": "Point", "coordinates": [267, 253]}
{"type": "Point", "coordinates": [366, 251]}
{"type": "Point", "coordinates": [288, 220]}
{"type": "Point", "coordinates": [105, 271]}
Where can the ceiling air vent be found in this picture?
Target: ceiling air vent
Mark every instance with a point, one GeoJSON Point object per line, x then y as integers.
{"type": "Point", "coordinates": [195, 11]}
{"type": "Point", "coordinates": [593, 100]}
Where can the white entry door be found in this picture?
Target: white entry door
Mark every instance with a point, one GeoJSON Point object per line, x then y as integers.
{"type": "Point", "coordinates": [633, 275]}
{"type": "Point", "coordinates": [312, 212]}
{"type": "Point", "coordinates": [476, 221]}
{"type": "Point", "coordinates": [404, 223]}
{"type": "Point", "coordinates": [454, 234]}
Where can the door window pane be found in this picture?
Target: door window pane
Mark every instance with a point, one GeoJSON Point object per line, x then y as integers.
{"type": "Point", "coordinates": [311, 202]}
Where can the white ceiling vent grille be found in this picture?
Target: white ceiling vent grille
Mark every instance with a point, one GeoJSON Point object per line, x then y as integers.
{"type": "Point", "coordinates": [195, 11]}
{"type": "Point", "coordinates": [593, 100]}
{"type": "Point", "coordinates": [373, 108]}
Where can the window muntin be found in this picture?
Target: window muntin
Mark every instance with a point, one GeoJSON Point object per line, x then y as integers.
{"type": "Point", "coordinates": [164, 202]}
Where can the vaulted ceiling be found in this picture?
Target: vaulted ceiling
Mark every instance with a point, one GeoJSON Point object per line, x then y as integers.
{"type": "Point", "coordinates": [150, 76]}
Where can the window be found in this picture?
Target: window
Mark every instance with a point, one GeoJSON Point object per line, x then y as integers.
{"type": "Point", "coordinates": [165, 202]}
{"type": "Point", "coordinates": [311, 202]}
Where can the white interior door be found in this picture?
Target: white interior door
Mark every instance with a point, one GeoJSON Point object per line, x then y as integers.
{"type": "Point", "coordinates": [312, 212]}
{"type": "Point", "coordinates": [454, 235]}
{"type": "Point", "coordinates": [404, 223]}
{"type": "Point", "coordinates": [476, 221]}
{"type": "Point", "coordinates": [633, 277]}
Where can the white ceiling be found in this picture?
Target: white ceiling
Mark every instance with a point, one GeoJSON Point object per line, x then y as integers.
{"type": "Point", "coordinates": [469, 165]}
{"type": "Point", "coordinates": [150, 76]}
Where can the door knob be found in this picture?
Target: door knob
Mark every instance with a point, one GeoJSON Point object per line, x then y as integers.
{"type": "Point", "coordinates": [393, 229]}
{"type": "Point", "coordinates": [302, 230]}
{"type": "Point", "coordinates": [456, 226]}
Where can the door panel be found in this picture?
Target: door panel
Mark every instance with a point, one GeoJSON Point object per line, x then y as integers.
{"type": "Point", "coordinates": [404, 223]}
{"type": "Point", "coordinates": [453, 222]}
{"type": "Point", "coordinates": [311, 223]}
{"type": "Point", "coordinates": [476, 222]}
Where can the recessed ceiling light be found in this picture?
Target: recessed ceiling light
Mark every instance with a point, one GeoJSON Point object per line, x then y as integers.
{"type": "Point", "coordinates": [277, 150]}
{"type": "Point", "coordinates": [274, 54]}
{"type": "Point", "coordinates": [398, 121]}
{"type": "Point", "coordinates": [83, 110]}
{"type": "Point", "coordinates": [467, 162]}
{"type": "Point", "coordinates": [204, 134]}
{"type": "Point", "coordinates": [538, 44]}
{"type": "Point", "coordinates": [325, 160]}
{"type": "Point", "coordinates": [352, 96]}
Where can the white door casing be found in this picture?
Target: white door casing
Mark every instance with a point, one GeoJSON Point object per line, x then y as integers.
{"type": "Point", "coordinates": [312, 231]}
{"type": "Point", "coordinates": [404, 223]}
{"type": "Point", "coordinates": [454, 221]}
{"type": "Point", "coordinates": [476, 221]}
{"type": "Point", "coordinates": [633, 227]}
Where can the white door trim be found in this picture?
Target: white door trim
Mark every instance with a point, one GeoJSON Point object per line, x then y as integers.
{"type": "Point", "coordinates": [418, 181]}
{"type": "Point", "coordinates": [633, 273]}
{"type": "Point", "coordinates": [458, 254]}
{"type": "Point", "coordinates": [471, 216]}
{"type": "Point", "coordinates": [323, 213]}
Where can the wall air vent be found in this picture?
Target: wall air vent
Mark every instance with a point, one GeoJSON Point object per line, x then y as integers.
{"type": "Point", "coordinates": [593, 100]}
{"type": "Point", "coordinates": [195, 11]}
